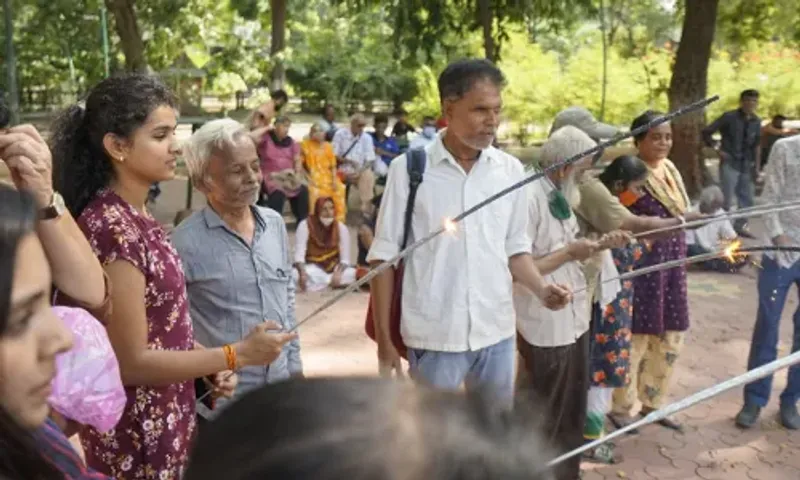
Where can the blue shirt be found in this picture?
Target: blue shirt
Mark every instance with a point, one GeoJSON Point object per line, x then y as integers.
{"type": "Point", "coordinates": [233, 286]}
{"type": "Point", "coordinates": [388, 144]}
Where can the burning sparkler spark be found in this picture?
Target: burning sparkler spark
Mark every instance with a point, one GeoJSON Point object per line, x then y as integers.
{"type": "Point", "coordinates": [732, 250]}
{"type": "Point", "coordinates": [450, 226]}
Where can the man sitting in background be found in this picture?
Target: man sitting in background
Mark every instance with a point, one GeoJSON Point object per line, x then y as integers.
{"type": "Point", "coordinates": [713, 236]}
{"type": "Point", "coordinates": [355, 154]}
{"type": "Point", "coordinates": [428, 134]}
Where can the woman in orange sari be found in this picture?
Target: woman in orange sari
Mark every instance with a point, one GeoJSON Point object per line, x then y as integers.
{"type": "Point", "coordinates": [322, 251]}
{"type": "Point", "coordinates": [320, 161]}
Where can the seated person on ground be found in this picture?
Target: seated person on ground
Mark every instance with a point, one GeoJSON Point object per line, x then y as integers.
{"type": "Point", "coordinates": [322, 250]}
{"type": "Point", "coordinates": [713, 236]}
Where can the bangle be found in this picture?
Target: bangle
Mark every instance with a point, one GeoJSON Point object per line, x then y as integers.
{"type": "Point", "coordinates": [230, 357]}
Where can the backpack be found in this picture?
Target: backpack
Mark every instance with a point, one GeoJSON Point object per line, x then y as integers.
{"type": "Point", "coordinates": [415, 163]}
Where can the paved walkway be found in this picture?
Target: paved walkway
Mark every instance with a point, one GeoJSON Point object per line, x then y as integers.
{"type": "Point", "coordinates": [723, 311]}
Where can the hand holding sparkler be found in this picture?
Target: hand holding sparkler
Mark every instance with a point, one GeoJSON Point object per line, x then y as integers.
{"type": "Point", "coordinates": [615, 239]}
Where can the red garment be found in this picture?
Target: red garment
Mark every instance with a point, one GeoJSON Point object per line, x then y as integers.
{"type": "Point", "coordinates": [153, 437]}
{"type": "Point", "coordinates": [441, 123]}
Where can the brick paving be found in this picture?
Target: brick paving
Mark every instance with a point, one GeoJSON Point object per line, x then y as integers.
{"type": "Point", "coordinates": [723, 311]}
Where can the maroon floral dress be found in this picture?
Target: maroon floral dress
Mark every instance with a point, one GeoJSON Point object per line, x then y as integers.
{"type": "Point", "coordinates": [152, 439]}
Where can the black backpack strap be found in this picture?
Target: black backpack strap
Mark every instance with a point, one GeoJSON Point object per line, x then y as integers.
{"type": "Point", "coordinates": [415, 162]}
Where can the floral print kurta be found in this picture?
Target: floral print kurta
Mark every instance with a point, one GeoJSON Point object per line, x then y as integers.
{"type": "Point", "coordinates": [152, 439]}
{"type": "Point", "coordinates": [610, 356]}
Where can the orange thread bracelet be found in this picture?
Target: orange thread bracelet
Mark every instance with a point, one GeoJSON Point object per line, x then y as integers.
{"type": "Point", "coordinates": [230, 357]}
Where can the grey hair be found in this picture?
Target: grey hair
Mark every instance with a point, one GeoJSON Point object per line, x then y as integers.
{"type": "Point", "coordinates": [214, 136]}
{"type": "Point", "coordinates": [711, 195]}
{"type": "Point", "coordinates": [562, 144]}
{"type": "Point", "coordinates": [282, 120]}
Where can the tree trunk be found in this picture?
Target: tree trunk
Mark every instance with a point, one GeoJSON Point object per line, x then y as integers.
{"type": "Point", "coordinates": [486, 19]}
{"type": "Point", "coordinates": [278, 44]}
{"type": "Point", "coordinates": [606, 41]}
{"type": "Point", "coordinates": [129, 36]}
{"type": "Point", "coordinates": [688, 84]}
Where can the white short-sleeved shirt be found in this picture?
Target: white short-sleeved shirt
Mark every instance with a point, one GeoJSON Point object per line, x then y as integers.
{"type": "Point", "coordinates": [712, 234]}
{"type": "Point", "coordinates": [362, 151]}
{"type": "Point", "coordinates": [537, 324]}
{"type": "Point", "coordinates": [457, 289]}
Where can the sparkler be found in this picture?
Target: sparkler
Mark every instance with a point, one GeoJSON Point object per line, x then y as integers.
{"type": "Point", "coordinates": [745, 213]}
{"type": "Point", "coordinates": [730, 252]}
{"type": "Point", "coordinates": [673, 408]}
{"type": "Point", "coordinates": [450, 225]}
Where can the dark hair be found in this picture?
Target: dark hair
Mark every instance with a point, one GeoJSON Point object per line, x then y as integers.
{"type": "Point", "coordinates": [118, 105]}
{"type": "Point", "coordinates": [281, 95]}
{"type": "Point", "coordinates": [428, 118]}
{"type": "Point", "coordinates": [777, 120]}
{"type": "Point", "coordinates": [749, 93]}
{"type": "Point", "coordinates": [400, 112]}
{"type": "Point", "coordinates": [624, 169]}
{"type": "Point", "coordinates": [642, 120]}
{"type": "Point", "coordinates": [19, 457]}
{"type": "Point", "coordinates": [381, 118]}
{"type": "Point", "coordinates": [459, 77]}
{"type": "Point", "coordinates": [365, 428]}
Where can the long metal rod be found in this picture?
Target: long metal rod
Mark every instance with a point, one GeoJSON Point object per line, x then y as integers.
{"type": "Point", "coordinates": [673, 408]}
{"type": "Point", "coordinates": [690, 260]}
{"type": "Point", "coordinates": [751, 212]}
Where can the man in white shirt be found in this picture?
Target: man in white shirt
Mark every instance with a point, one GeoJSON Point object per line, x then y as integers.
{"type": "Point", "coordinates": [457, 308]}
{"type": "Point", "coordinates": [355, 154]}
{"type": "Point", "coordinates": [554, 345]}
{"type": "Point", "coordinates": [779, 272]}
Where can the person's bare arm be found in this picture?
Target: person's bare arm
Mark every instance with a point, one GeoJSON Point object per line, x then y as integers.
{"type": "Point", "coordinates": [140, 365]}
{"type": "Point", "coordinates": [76, 270]}
{"type": "Point", "coordinates": [365, 234]}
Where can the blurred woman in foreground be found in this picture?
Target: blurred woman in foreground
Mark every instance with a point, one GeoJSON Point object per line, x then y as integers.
{"type": "Point", "coordinates": [366, 428]}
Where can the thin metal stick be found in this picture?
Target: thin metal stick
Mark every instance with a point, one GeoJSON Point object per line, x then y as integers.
{"type": "Point", "coordinates": [690, 260]}
{"type": "Point", "coordinates": [673, 408]}
{"type": "Point", "coordinates": [751, 212]}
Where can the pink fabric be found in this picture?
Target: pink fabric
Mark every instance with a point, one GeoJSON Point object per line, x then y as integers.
{"type": "Point", "coordinates": [275, 159]}
{"type": "Point", "coordinates": [87, 387]}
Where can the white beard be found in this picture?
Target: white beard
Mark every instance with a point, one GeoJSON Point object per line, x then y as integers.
{"type": "Point", "coordinates": [571, 191]}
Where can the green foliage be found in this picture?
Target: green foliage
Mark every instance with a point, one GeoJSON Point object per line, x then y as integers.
{"type": "Point", "coordinates": [770, 68]}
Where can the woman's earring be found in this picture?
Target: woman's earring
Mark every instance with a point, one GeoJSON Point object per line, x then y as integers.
{"type": "Point", "coordinates": [121, 159]}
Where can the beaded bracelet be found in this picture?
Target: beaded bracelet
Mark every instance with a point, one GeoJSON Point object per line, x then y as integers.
{"type": "Point", "coordinates": [230, 357]}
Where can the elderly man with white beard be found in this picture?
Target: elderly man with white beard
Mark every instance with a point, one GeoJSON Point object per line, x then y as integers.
{"type": "Point", "coordinates": [235, 254]}
{"type": "Point", "coordinates": [554, 345]}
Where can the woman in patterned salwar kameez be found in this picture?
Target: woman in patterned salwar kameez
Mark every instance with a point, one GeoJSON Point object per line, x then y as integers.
{"type": "Point", "coordinates": [660, 302]}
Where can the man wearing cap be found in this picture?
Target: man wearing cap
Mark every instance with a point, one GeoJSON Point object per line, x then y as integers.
{"type": "Point", "coordinates": [599, 213]}
{"type": "Point", "coordinates": [583, 119]}
{"type": "Point", "coordinates": [598, 206]}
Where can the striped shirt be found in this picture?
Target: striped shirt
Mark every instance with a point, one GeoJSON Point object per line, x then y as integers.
{"type": "Point", "coordinates": [54, 446]}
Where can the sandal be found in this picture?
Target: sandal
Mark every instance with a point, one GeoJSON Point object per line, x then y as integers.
{"type": "Point", "coordinates": [603, 454]}
{"type": "Point", "coordinates": [665, 422]}
{"type": "Point", "coordinates": [621, 422]}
